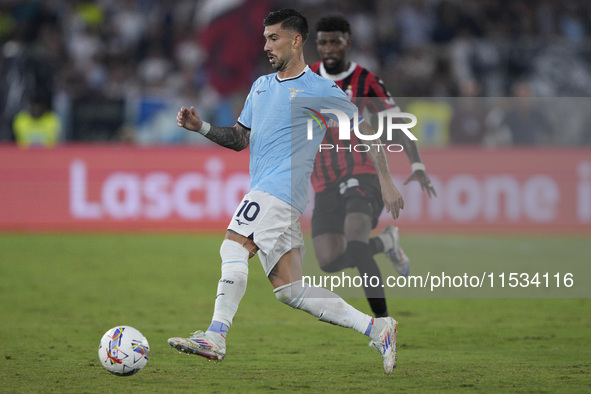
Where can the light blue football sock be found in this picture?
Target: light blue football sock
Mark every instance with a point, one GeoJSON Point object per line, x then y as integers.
{"type": "Point", "coordinates": [219, 327]}
{"type": "Point", "coordinates": [369, 326]}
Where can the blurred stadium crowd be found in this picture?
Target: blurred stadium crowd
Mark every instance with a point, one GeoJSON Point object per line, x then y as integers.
{"type": "Point", "coordinates": [482, 71]}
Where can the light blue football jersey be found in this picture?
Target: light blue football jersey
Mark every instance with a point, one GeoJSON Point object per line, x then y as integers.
{"type": "Point", "coordinates": [281, 155]}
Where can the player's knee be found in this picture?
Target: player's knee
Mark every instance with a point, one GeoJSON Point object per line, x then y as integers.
{"type": "Point", "coordinates": [325, 258]}
{"type": "Point", "coordinates": [247, 243]}
{"type": "Point", "coordinates": [292, 294]}
{"type": "Point", "coordinates": [358, 221]}
{"type": "Point", "coordinates": [358, 205]}
{"type": "Point", "coordinates": [234, 257]}
{"type": "Point", "coordinates": [329, 261]}
{"type": "Point", "coordinates": [328, 247]}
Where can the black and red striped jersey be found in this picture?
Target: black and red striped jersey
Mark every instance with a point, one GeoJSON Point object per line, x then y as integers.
{"type": "Point", "coordinates": [361, 85]}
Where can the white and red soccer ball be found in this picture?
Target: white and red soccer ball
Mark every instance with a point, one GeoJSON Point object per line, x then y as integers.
{"type": "Point", "coordinates": [123, 350]}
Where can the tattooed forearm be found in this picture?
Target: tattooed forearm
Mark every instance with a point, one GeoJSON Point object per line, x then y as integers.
{"type": "Point", "coordinates": [235, 138]}
{"type": "Point", "coordinates": [377, 156]}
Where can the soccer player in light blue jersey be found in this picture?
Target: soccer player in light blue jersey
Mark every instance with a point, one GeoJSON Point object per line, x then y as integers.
{"type": "Point", "coordinates": [266, 221]}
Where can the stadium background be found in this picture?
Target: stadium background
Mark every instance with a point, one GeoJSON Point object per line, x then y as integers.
{"type": "Point", "coordinates": [115, 74]}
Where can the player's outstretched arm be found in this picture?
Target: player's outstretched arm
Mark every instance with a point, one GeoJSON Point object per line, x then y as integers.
{"type": "Point", "coordinates": [393, 200]}
{"type": "Point", "coordinates": [418, 168]}
{"type": "Point", "coordinates": [236, 137]}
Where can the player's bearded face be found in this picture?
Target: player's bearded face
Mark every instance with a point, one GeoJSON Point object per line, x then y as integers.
{"type": "Point", "coordinates": [278, 46]}
{"type": "Point", "coordinates": [332, 48]}
{"type": "Point", "coordinates": [278, 62]}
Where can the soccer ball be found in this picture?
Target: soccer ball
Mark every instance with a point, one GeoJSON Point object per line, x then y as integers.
{"type": "Point", "coordinates": [123, 350]}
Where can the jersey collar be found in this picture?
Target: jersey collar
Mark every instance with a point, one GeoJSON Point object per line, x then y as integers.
{"type": "Point", "coordinates": [292, 78]}
{"type": "Point", "coordinates": [339, 76]}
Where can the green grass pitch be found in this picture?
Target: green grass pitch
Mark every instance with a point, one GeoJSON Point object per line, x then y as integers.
{"type": "Point", "coordinates": [60, 293]}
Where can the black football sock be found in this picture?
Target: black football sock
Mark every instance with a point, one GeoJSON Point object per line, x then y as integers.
{"type": "Point", "coordinates": [359, 253]}
{"type": "Point", "coordinates": [376, 246]}
{"type": "Point", "coordinates": [378, 307]}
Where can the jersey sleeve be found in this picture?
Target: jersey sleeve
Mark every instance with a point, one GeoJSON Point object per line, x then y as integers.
{"type": "Point", "coordinates": [245, 118]}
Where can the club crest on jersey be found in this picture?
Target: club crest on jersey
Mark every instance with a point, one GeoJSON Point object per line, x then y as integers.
{"type": "Point", "coordinates": [349, 92]}
{"type": "Point", "coordinates": [294, 93]}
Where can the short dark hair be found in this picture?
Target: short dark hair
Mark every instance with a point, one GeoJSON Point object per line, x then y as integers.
{"type": "Point", "coordinates": [333, 23]}
{"type": "Point", "coordinates": [290, 19]}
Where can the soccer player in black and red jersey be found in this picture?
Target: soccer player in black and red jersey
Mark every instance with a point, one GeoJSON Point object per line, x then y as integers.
{"type": "Point", "coordinates": [348, 198]}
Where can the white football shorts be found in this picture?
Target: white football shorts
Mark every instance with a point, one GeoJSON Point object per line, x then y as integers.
{"type": "Point", "coordinates": [271, 223]}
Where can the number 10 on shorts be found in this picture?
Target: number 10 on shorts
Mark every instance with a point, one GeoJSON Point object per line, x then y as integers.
{"type": "Point", "coordinates": [249, 210]}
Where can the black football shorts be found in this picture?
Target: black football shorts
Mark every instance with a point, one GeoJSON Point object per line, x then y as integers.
{"type": "Point", "coordinates": [354, 194]}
